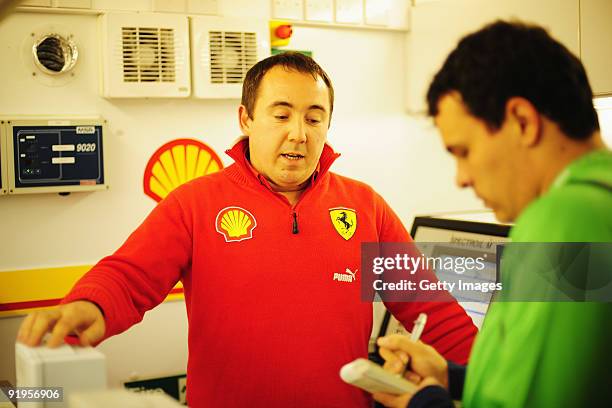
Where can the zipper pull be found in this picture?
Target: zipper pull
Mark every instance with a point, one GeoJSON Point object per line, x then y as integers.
{"type": "Point", "coordinates": [295, 224]}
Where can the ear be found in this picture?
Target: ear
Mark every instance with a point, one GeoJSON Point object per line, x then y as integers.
{"type": "Point", "coordinates": [525, 118]}
{"type": "Point", "coordinates": [244, 120]}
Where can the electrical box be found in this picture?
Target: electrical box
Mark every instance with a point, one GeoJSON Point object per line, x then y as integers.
{"type": "Point", "coordinates": [54, 155]}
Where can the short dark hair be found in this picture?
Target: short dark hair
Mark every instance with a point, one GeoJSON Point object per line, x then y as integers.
{"type": "Point", "coordinates": [291, 60]}
{"type": "Point", "coordinates": [507, 59]}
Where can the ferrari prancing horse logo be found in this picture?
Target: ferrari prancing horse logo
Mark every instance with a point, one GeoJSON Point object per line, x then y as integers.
{"type": "Point", "coordinates": [344, 221]}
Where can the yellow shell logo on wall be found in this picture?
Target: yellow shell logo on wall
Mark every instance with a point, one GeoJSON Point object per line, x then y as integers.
{"type": "Point", "coordinates": [235, 224]}
{"type": "Point", "coordinates": [176, 163]}
{"type": "Point", "coordinates": [344, 221]}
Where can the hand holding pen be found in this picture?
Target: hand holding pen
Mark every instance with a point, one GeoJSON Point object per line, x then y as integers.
{"type": "Point", "coordinates": [412, 358]}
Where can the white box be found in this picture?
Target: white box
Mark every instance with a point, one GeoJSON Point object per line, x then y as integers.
{"type": "Point", "coordinates": [349, 11]}
{"type": "Point", "coordinates": [377, 12]}
{"type": "Point", "coordinates": [72, 368]}
{"type": "Point", "coordinates": [288, 9]}
{"type": "Point", "coordinates": [319, 10]}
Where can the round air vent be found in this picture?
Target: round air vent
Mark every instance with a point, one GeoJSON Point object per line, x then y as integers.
{"type": "Point", "coordinates": [54, 54]}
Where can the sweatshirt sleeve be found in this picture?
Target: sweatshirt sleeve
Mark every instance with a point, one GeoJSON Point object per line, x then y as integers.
{"type": "Point", "coordinates": [456, 380]}
{"type": "Point", "coordinates": [141, 273]}
{"type": "Point", "coordinates": [431, 397]}
{"type": "Point", "coordinates": [449, 329]}
{"type": "Point", "coordinates": [438, 397]}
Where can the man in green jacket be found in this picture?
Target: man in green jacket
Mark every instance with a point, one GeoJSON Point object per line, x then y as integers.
{"type": "Point", "coordinates": [514, 107]}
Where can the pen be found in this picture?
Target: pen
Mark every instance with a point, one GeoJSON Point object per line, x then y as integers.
{"type": "Point", "coordinates": [415, 335]}
{"type": "Point", "coordinates": [419, 325]}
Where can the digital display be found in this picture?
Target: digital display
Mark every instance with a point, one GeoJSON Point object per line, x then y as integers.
{"type": "Point", "coordinates": [57, 156]}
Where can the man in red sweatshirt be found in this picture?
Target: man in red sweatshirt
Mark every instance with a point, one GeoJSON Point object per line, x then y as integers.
{"type": "Point", "coordinates": [268, 251]}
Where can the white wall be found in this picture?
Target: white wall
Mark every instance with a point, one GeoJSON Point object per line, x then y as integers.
{"type": "Point", "coordinates": [604, 110]}
{"type": "Point", "coordinates": [438, 25]}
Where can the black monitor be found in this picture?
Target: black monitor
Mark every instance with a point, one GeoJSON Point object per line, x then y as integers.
{"type": "Point", "coordinates": [444, 237]}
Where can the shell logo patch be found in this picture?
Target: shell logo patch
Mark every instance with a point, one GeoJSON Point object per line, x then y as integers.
{"type": "Point", "coordinates": [235, 224]}
{"type": "Point", "coordinates": [344, 221]}
{"type": "Point", "coordinates": [178, 162]}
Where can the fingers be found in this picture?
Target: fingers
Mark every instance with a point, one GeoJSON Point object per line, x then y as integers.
{"type": "Point", "coordinates": [403, 356]}
{"type": "Point", "coordinates": [81, 317]}
{"type": "Point", "coordinates": [25, 328]}
{"type": "Point", "coordinates": [93, 334]}
{"type": "Point", "coordinates": [393, 362]}
{"type": "Point", "coordinates": [398, 342]}
{"type": "Point", "coordinates": [413, 377]}
{"type": "Point", "coordinates": [401, 344]}
{"type": "Point", "coordinates": [423, 359]}
{"type": "Point", "coordinates": [40, 324]}
{"type": "Point", "coordinates": [62, 328]}
{"type": "Point", "coordinates": [396, 351]}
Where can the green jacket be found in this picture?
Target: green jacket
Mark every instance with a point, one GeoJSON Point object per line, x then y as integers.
{"type": "Point", "coordinates": [551, 354]}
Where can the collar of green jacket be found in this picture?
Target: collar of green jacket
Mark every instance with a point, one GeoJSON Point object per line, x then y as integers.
{"type": "Point", "coordinates": [594, 168]}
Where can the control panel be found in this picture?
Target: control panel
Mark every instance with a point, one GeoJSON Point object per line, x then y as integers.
{"type": "Point", "coordinates": [51, 155]}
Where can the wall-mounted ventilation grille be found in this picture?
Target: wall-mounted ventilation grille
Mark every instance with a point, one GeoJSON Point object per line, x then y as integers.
{"type": "Point", "coordinates": [148, 54]}
{"type": "Point", "coordinates": [232, 53]}
{"type": "Point", "coordinates": [224, 50]}
{"type": "Point", "coordinates": [145, 55]}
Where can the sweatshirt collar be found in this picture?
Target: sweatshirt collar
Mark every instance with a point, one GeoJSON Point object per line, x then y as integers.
{"type": "Point", "coordinates": [240, 150]}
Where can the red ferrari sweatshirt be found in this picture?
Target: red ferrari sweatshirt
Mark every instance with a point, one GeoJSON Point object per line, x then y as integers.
{"type": "Point", "coordinates": [272, 291]}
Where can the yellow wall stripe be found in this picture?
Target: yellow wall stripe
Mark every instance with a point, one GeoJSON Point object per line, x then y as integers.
{"type": "Point", "coordinates": [26, 290]}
